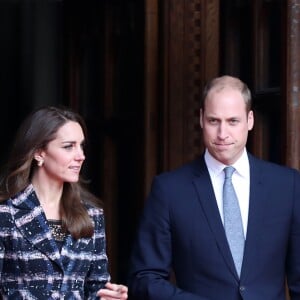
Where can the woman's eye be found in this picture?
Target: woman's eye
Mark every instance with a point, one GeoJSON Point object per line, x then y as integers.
{"type": "Point", "coordinates": [68, 146]}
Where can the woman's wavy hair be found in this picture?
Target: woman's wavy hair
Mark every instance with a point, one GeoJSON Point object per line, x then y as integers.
{"type": "Point", "coordinates": [35, 133]}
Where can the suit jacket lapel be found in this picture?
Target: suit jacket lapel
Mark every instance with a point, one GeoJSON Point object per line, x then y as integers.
{"type": "Point", "coordinates": [32, 224]}
{"type": "Point", "coordinates": [209, 205]}
{"type": "Point", "coordinates": [257, 199]}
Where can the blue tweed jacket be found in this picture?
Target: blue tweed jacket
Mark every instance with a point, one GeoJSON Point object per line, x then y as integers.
{"type": "Point", "coordinates": [31, 265]}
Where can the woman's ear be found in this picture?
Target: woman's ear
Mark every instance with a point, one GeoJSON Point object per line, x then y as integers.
{"type": "Point", "coordinates": [38, 156]}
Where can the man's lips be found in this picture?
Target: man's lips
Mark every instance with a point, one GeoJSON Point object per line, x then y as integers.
{"type": "Point", "coordinates": [222, 144]}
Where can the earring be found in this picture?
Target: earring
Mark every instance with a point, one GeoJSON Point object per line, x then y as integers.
{"type": "Point", "coordinates": [40, 163]}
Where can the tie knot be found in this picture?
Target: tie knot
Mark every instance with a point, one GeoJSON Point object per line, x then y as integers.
{"type": "Point", "coordinates": [229, 171]}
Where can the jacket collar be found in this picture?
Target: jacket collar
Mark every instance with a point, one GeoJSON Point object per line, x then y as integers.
{"type": "Point", "coordinates": [31, 221]}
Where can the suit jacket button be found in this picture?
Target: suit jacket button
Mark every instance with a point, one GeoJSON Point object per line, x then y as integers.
{"type": "Point", "coordinates": [242, 288]}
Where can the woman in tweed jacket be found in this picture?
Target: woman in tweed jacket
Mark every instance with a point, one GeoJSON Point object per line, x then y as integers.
{"type": "Point", "coordinates": [52, 237]}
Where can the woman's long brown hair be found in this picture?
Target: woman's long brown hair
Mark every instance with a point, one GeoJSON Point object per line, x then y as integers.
{"type": "Point", "coordinates": [37, 130]}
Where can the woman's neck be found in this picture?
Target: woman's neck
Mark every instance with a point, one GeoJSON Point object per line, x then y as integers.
{"type": "Point", "coordinates": [49, 197]}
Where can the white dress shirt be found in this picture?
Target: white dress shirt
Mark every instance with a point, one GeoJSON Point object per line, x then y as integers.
{"type": "Point", "coordinates": [240, 181]}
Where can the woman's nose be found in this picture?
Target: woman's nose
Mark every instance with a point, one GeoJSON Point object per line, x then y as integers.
{"type": "Point", "coordinates": [80, 154]}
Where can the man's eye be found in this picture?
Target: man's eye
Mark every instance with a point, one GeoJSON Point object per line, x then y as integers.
{"type": "Point", "coordinates": [212, 121]}
{"type": "Point", "coordinates": [234, 121]}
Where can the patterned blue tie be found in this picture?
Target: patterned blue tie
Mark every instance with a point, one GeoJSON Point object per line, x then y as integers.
{"type": "Point", "coordinates": [232, 220]}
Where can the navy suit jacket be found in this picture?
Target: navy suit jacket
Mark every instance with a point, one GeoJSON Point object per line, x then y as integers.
{"type": "Point", "coordinates": [181, 231]}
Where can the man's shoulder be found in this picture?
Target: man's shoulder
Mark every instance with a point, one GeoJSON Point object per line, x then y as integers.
{"type": "Point", "coordinates": [270, 166]}
{"type": "Point", "coordinates": [188, 170]}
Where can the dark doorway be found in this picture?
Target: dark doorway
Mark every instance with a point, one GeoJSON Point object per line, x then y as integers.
{"type": "Point", "coordinates": [87, 55]}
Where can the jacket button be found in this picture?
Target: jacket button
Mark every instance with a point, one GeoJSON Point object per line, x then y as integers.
{"type": "Point", "coordinates": [242, 288]}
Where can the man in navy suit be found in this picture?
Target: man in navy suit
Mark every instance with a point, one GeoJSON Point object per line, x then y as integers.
{"type": "Point", "coordinates": [181, 230]}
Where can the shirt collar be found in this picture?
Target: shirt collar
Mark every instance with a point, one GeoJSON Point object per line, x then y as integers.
{"type": "Point", "coordinates": [216, 167]}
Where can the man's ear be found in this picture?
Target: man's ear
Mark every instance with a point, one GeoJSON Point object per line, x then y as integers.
{"type": "Point", "coordinates": [250, 120]}
{"type": "Point", "coordinates": [201, 118]}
